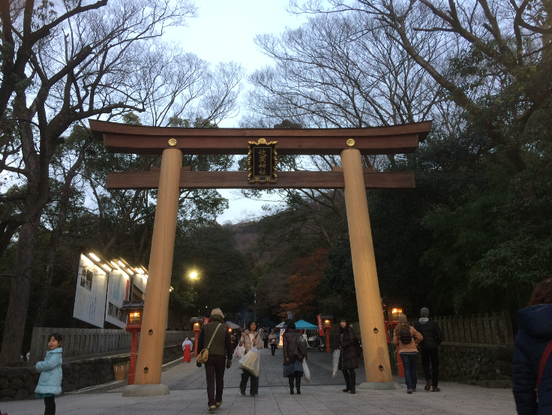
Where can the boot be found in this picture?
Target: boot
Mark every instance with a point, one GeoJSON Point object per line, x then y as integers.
{"type": "Point", "coordinates": [290, 385]}
{"type": "Point", "coordinates": [298, 384]}
{"type": "Point", "coordinates": [347, 381]}
{"type": "Point", "coordinates": [353, 382]}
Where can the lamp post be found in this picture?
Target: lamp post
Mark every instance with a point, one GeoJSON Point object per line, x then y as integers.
{"type": "Point", "coordinates": [197, 328]}
{"type": "Point", "coordinates": [327, 327]}
{"type": "Point", "coordinates": [134, 310]}
{"type": "Point", "coordinates": [393, 314]}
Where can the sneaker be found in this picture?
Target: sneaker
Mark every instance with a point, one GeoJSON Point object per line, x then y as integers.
{"type": "Point", "coordinates": [413, 389]}
{"type": "Point", "coordinates": [218, 404]}
{"type": "Point", "coordinates": [409, 391]}
{"type": "Point", "coordinates": [428, 385]}
{"type": "Point", "coordinates": [436, 389]}
{"type": "Point", "coordinates": [212, 409]}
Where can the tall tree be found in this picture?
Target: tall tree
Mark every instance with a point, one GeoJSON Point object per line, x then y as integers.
{"type": "Point", "coordinates": [61, 63]}
{"type": "Point", "coordinates": [493, 58]}
{"type": "Point", "coordinates": [336, 71]}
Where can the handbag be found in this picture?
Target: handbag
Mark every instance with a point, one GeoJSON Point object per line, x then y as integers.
{"type": "Point", "coordinates": [203, 356]}
{"type": "Point", "coordinates": [251, 362]}
{"type": "Point", "coordinates": [335, 362]}
{"type": "Point", "coordinates": [306, 371]}
{"type": "Point", "coordinates": [239, 352]}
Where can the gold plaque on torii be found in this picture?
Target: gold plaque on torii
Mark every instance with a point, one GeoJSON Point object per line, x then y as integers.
{"type": "Point", "coordinates": [261, 161]}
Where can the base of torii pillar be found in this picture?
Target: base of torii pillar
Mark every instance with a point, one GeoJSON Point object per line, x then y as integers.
{"type": "Point", "coordinates": [377, 364]}
{"type": "Point", "coordinates": [143, 391]}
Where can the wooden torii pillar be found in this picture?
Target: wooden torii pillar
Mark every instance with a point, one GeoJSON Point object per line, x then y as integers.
{"type": "Point", "coordinates": [350, 143]}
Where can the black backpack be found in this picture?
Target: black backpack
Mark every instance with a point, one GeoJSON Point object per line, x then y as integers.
{"type": "Point", "coordinates": [405, 337]}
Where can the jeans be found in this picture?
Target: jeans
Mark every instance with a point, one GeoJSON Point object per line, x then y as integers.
{"type": "Point", "coordinates": [409, 362]}
{"type": "Point", "coordinates": [431, 355]}
{"type": "Point", "coordinates": [214, 371]}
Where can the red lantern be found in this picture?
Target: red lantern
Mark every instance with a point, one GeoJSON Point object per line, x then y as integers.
{"type": "Point", "coordinates": [197, 328]}
{"type": "Point", "coordinates": [134, 325]}
{"type": "Point", "coordinates": [327, 323]}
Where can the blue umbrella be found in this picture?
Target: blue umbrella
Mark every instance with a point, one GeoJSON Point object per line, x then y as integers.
{"type": "Point", "coordinates": [304, 325]}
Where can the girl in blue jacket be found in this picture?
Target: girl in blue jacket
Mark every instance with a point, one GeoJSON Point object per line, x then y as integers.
{"type": "Point", "coordinates": [49, 383]}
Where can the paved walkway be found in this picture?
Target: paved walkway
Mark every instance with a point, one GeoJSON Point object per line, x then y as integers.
{"type": "Point", "coordinates": [323, 396]}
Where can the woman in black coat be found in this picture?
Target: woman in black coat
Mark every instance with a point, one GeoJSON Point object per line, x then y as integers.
{"type": "Point", "coordinates": [295, 350]}
{"type": "Point", "coordinates": [533, 339]}
{"type": "Point", "coordinates": [348, 360]}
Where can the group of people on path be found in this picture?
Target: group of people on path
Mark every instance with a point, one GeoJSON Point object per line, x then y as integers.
{"type": "Point", "coordinates": [532, 368]}
{"type": "Point", "coordinates": [425, 335]}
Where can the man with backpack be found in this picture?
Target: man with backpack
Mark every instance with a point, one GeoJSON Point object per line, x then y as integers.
{"type": "Point", "coordinates": [429, 348]}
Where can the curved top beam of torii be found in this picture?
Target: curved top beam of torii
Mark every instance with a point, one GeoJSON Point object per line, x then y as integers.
{"type": "Point", "coordinates": [124, 138]}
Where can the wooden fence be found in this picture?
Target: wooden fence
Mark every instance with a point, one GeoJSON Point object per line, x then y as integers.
{"type": "Point", "coordinates": [78, 343]}
{"type": "Point", "coordinates": [493, 329]}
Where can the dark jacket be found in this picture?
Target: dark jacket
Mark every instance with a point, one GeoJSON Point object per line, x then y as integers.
{"type": "Point", "coordinates": [291, 350]}
{"type": "Point", "coordinates": [431, 332]}
{"type": "Point", "coordinates": [222, 342]}
{"type": "Point", "coordinates": [535, 331]}
{"type": "Point", "coordinates": [349, 356]}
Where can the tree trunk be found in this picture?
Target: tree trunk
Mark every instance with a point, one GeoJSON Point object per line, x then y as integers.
{"type": "Point", "coordinates": [56, 236]}
{"type": "Point", "coordinates": [14, 328]}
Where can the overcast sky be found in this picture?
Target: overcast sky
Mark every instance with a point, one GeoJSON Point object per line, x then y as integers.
{"type": "Point", "coordinates": [224, 32]}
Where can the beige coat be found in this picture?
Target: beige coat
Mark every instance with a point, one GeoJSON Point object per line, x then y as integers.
{"type": "Point", "coordinates": [248, 344]}
{"type": "Point", "coordinates": [408, 348]}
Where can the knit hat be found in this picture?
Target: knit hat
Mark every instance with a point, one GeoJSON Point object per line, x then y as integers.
{"type": "Point", "coordinates": [402, 318]}
{"type": "Point", "coordinates": [216, 312]}
{"type": "Point", "coordinates": [424, 312]}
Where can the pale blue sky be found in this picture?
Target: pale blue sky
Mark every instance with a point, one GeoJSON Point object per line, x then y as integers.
{"type": "Point", "coordinates": [223, 32]}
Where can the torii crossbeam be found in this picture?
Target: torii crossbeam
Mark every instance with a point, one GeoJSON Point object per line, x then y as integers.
{"type": "Point", "coordinates": [172, 143]}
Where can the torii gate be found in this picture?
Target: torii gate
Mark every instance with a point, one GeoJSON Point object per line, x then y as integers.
{"type": "Point", "coordinates": [172, 143]}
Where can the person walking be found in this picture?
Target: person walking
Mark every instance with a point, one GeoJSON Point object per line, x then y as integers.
{"type": "Point", "coordinates": [295, 350]}
{"type": "Point", "coordinates": [408, 338]}
{"type": "Point", "coordinates": [429, 346]}
{"type": "Point", "coordinates": [532, 368]}
{"type": "Point", "coordinates": [49, 383]}
{"type": "Point", "coordinates": [187, 347]}
{"type": "Point", "coordinates": [250, 338]}
{"type": "Point", "coordinates": [264, 336]}
{"type": "Point", "coordinates": [273, 340]}
{"type": "Point", "coordinates": [348, 358]}
{"type": "Point", "coordinates": [215, 336]}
